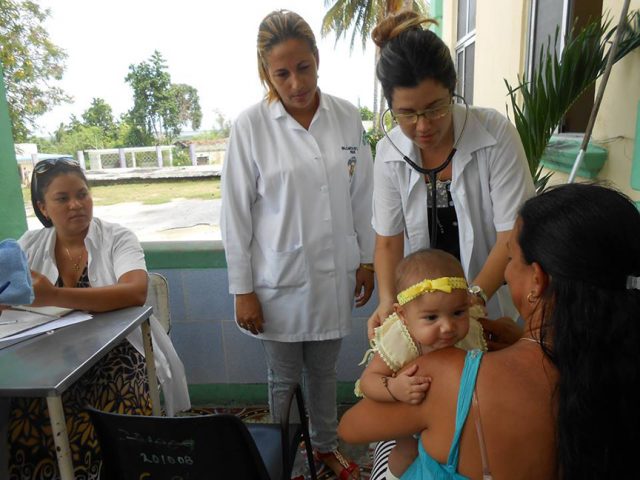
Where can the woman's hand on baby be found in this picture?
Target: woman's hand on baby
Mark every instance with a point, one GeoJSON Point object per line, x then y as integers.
{"type": "Point", "coordinates": [408, 387]}
{"type": "Point", "coordinates": [383, 311]}
{"type": "Point", "coordinates": [500, 333]}
{"type": "Point", "coordinates": [249, 312]}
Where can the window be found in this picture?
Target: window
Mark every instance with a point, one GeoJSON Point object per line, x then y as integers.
{"type": "Point", "coordinates": [545, 17]}
{"type": "Point", "coordinates": [465, 48]}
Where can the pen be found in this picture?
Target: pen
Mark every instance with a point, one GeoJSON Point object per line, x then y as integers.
{"type": "Point", "coordinates": [4, 286]}
{"type": "Point", "coordinates": [8, 322]}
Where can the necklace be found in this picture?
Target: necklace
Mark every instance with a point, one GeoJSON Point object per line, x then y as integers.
{"type": "Point", "coordinates": [76, 264]}
{"type": "Point", "coordinates": [529, 339]}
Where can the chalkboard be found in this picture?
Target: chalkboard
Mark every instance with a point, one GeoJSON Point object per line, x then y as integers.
{"type": "Point", "coordinates": [176, 448]}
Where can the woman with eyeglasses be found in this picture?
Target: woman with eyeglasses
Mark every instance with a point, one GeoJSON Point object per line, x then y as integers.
{"type": "Point", "coordinates": [296, 225]}
{"type": "Point", "coordinates": [81, 262]}
{"type": "Point", "coordinates": [483, 175]}
{"type": "Point", "coordinates": [472, 157]}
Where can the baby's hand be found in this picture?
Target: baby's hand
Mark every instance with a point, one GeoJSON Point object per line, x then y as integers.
{"type": "Point", "coordinates": [408, 388]}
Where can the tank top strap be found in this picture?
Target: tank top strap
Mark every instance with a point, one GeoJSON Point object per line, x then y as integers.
{"type": "Point", "coordinates": [467, 386]}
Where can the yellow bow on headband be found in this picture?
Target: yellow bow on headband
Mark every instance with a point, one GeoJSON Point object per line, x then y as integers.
{"type": "Point", "coordinates": [442, 284]}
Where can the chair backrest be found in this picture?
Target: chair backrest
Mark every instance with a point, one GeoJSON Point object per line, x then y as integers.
{"type": "Point", "coordinates": [158, 298]}
{"type": "Point", "coordinates": [198, 447]}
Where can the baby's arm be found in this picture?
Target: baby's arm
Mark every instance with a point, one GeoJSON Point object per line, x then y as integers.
{"type": "Point", "coordinates": [379, 383]}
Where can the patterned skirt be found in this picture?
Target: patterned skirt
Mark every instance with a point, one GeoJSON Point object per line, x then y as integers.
{"type": "Point", "coordinates": [118, 383]}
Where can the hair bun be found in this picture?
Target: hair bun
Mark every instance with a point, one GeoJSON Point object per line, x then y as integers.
{"type": "Point", "coordinates": [397, 23]}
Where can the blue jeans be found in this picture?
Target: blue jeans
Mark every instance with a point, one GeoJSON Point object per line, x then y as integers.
{"type": "Point", "coordinates": [313, 365]}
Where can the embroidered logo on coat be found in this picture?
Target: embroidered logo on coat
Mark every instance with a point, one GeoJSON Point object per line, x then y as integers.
{"type": "Point", "coordinates": [351, 164]}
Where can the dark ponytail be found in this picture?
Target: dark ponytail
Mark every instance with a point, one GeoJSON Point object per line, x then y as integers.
{"type": "Point", "coordinates": [587, 239]}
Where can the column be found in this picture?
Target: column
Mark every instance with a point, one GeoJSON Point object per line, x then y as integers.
{"type": "Point", "coordinates": [80, 157]}
{"type": "Point", "coordinates": [123, 160]}
{"type": "Point", "coordinates": [192, 154]}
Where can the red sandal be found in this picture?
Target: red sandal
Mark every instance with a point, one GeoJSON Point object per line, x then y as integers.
{"type": "Point", "coordinates": [350, 470]}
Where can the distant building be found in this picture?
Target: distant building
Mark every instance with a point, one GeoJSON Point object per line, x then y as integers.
{"type": "Point", "coordinates": [27, 156]}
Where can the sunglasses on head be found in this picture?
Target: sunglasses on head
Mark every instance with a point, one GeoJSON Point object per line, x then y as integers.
{"type": "Point", "coordinates": [47, 164]}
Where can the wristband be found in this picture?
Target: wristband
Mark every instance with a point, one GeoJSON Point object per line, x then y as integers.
{"type": "Point", "coordinates": [385, 382]}
{"type": "Point", "coordinates": [368, 266]}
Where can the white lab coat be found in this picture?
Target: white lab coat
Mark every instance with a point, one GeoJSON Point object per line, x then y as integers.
{"type": "Point", "coordinates": [490, 182]}
{"type": "Point", "coordinates": [296, 210]}
{"type": "Point", "coordinates": [113, 251]}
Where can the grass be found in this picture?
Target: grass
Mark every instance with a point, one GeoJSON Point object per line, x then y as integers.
{"type": "Point", "coordinates": [151, 193]}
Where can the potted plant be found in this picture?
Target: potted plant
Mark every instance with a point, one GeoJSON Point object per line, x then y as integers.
{"type": "Point", "coordinates": [540, 104]}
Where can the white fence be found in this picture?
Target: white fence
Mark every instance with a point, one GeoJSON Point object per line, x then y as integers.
{"type": "Point", "coordinates": [132, 157]}
{"type": "Point", "coordinates": [158, 156]}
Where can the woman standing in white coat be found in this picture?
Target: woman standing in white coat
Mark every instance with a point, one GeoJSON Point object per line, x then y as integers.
{"type": "Point", "coordinates": [296, 210]}
{"type": "Point", "coordinates": [473, 156]}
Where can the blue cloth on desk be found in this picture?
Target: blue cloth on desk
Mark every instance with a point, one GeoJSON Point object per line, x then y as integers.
{"type": "Point", "coordinates": [15, 269]}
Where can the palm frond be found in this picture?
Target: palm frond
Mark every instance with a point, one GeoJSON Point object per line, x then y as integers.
{"type": "Point", "coordinates": [359, 17]}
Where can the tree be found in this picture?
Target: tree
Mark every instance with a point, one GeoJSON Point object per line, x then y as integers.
{"type": "Point", "coordinates": [188, 105]}
{"type": "Point", "coordinates": [223, 126]}
{"type": "Point", "coordinates": [151, 99]}
{"type": "Point", "coordinates": [30, 61]}
{"type": "Point", "coordinates": [360, 17]}
{"type": "Point", "coordinates": [365, 113]}
{"type": "Point", "coordinates": [160, 108]}
{"type": "Point", "coordinates": [100, 114]}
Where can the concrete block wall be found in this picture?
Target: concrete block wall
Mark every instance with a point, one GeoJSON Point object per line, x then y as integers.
{"type": "Point", "coordinates": [211, 346]}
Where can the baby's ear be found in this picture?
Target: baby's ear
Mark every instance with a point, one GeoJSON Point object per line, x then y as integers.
{"type": "Point", "coordinates": [399, 309]}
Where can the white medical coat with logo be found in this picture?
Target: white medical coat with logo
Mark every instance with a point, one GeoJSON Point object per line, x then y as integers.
{"type": "Point", "coordinates": [490, 182]}
{"type": "Point", "coordinates": [296, 216]}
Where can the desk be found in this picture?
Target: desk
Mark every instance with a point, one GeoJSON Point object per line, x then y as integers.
{"type": "Point", "coordinates": [47, 365]}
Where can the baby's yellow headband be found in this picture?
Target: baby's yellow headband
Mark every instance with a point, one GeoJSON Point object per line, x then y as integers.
{"type": "Point", "coordinates": [442, 284]}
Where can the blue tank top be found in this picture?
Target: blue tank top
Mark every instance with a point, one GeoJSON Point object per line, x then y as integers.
{"type": "Point", "coordinates": [426, 468]}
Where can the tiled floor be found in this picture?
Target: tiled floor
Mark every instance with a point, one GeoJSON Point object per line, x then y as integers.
{"type": "Point", "coordinates": [361, 454]}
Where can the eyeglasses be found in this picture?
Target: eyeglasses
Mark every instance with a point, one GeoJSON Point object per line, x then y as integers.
{"type": "Point", "coordinates": [47, 164]}
{"type": "Point", "coordinates": [430, 114]}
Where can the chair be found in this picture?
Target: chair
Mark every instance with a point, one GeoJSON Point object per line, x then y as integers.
{"type": "Point", "coordinates": [158, 298]}
{"type": "Point", "coordinates": [200, 447]}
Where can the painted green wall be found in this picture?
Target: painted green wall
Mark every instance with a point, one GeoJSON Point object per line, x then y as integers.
{"type": "Point", "coordinates": [184, 255]}
{"type": "Point", "coordinates": [13, 218]}
{"type": "Point", "coordinates": [436, 13]}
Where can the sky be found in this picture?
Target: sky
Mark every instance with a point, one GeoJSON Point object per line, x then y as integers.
{"type": "Point", "coordinates": [208, 44]}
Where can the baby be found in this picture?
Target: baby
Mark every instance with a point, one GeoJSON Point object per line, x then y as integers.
{"type": "Point", "coordinates": [433, 312]}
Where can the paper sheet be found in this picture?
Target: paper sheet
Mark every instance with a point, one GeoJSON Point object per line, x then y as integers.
{"type": "Point", "coordinates": [16, 321]}
{"type": "Point", "coordinates": [50, 311]}
{"type": "Point", "coordinates": [38, 324]}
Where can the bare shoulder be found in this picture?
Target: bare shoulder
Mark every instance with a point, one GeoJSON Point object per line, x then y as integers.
{"type": "Point", "coordinates": [445, 362]}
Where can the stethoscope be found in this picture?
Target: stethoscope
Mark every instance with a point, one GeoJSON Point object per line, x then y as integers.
{"type": "Point", "coordinates": [431, 173]}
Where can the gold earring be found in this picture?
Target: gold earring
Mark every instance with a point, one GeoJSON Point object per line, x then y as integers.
{"type": "Point", "coordinates": [531, 298]}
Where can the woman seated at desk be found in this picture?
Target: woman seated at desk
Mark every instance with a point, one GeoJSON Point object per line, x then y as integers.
{"type": "Point", "coordinates": [84, 263]}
